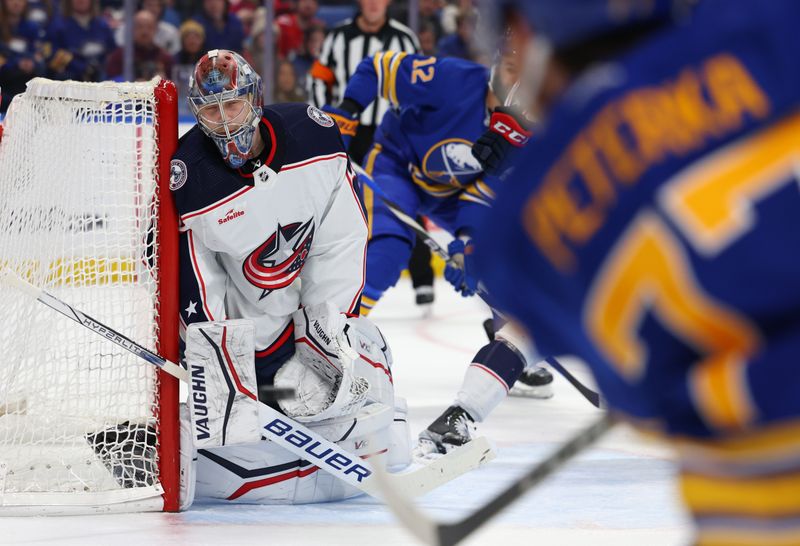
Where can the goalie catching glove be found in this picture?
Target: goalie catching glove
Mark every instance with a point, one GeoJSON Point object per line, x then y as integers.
{"type": "Point", "coordinates": [327, 372]}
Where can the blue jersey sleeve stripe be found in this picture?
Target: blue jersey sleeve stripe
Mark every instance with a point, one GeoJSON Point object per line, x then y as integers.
{"type": "Point", "coordinates": [398, 59]}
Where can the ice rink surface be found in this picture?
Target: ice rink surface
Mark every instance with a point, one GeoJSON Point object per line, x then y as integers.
{"type": "Point", "coordinates": [621, 493]}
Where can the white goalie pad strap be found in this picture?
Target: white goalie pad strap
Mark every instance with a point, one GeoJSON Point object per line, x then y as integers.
{"type": "Point", "coordinates": [222, 391]}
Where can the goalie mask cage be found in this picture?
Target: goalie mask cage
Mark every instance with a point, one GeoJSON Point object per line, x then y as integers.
{"type": "Point", "coordinates": [86, 214]}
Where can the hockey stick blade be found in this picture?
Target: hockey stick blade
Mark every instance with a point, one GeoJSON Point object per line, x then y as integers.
{"type": "Point", "coordinates": [437, 533]}
{"type": "Point", "coordinates": [592, 396]}
{"type": "Point", "coordinates": [343, 465]}
{"type": "Point", "coordinates": [419, 481]}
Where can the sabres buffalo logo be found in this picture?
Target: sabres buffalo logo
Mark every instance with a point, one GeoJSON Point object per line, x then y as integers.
{"type": "Point", "coordinates": [450, 161]}
{"type": "Point", "coordinates": [277, 262]}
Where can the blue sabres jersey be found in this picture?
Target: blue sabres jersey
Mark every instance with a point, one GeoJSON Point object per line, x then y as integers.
{"type": "Point", "coordinates": [438, 111]}
{"type": "Point", "coordinates": [653, 226]}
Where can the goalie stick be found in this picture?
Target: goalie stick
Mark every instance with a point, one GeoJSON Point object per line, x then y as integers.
{"type": "Point", "coordinates": [592, 396]}
{"type": "Point", "coordinates": [279, 428]}
{"type": "Point", "coordinates": [437, 533]}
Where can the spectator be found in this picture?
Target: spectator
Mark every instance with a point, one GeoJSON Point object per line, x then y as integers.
{"type": "Point", "coordinates": [170, 14]}
{"type": "Point", "coordinates": [223, 30]}
{"type": "Point", "coordinates": [19, 61]}
{"type": "Point", "coordinates": [149, 60]}
{"type": "Point", "coordinates": [286, 88]}
{"type": "Point", "coordinates": [292, 27]}
{"type": "Point", "coordinates": [304, 59]}
{"type": "Point", "coordinates": [40, 13]}
{"type": "Point", "coordinates": [369, 32]}
{"type": "Point", "coordinates": [449, 14]}
{"type": "Point", "coordinates": [284, 6]}
{"type": "Point", "coordinates": [79, 41]}
{"type": "Point", "coordinates": [193, 39]}
{"type": "Point", "coordinates": [429, 14]}
{"type": "Point", "coordinates": [427, 39]}
{"type": "Point", "coordinates": [167, 35]}
{"type": "Point", "coordinates": [245, 11]}
{"type": "Point", "coordinates": [254, 51]}
{"type": "Point", "coordinates": [460, 44]}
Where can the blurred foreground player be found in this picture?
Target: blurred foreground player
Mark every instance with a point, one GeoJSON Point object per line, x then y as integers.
{"type": "Point", "coordinates": [652, 228]}
{"type": "Point", "coordinates": [272, 230]}
{"type": "Point", "coordinates": [422, 160]}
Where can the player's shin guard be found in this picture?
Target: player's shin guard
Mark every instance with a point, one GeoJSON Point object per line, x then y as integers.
{"type": "Point", "coordinates": [486, 381]}
{"type": "Point", "coordinates": [535, 381]}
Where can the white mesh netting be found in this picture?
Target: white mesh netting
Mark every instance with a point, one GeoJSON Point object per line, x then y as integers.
{"type": "Point", "coordinates": [78, 201]}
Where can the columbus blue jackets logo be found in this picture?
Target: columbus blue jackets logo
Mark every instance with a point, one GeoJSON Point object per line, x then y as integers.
{"type": "Point", "coordinates": [450, 161]}
{"type": "Point", "coordinates": [277, 262]}
{"type": "Point", "coordinates": [177, 174]}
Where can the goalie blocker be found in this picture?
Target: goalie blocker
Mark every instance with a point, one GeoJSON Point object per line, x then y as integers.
{"type": "Point", "coordinates": [341, 372]}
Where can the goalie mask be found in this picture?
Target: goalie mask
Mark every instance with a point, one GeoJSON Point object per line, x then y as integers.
{"type": "Point", "coordinates": [225, 97]}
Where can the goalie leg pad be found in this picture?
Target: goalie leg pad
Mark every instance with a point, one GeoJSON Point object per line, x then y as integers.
{"type": "Point", "coordinates": [188, 460]}
{"type": "Point", "coordinates": [374, 358]}
{"type": "Point", "coordinates": [224, 407]}
{"type": "Point", "coordinates": [399, 455]}
{"type": "Point", "coordinates": [265, 473]}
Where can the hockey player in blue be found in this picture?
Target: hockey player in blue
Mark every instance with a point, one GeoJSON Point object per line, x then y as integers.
{"type": "Point", "coordinates": [422, 160]}
{"type": "Point", "coordinates": [652, 228]}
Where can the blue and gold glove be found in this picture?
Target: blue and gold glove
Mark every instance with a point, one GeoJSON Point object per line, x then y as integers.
{"type": "Point", "coordinates": [347, 122]}
{"type": "Point", "coordinates": [460, 270]}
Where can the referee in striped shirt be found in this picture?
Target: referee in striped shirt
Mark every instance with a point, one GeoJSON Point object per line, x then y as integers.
{"type": "Point", "coordinates": [369, 32]}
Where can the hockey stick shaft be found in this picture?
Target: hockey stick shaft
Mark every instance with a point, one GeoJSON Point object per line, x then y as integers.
{"type": "Point", "coordinates": [447, 534]}
{"type": "Point", "coordinates": [453, 533]}
{"type": "Point", "coordinates": [281, 429]}
{"type": "Point", "coordinates": [592, 396]}
{"type": "Point", "coordinates": [11, 279]}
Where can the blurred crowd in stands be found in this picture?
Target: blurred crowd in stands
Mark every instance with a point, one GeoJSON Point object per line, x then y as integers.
{"type": "Point", "coordinates": [81, 39]}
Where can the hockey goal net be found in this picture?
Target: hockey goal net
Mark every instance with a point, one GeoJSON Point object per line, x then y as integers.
{"type": "Point", "coordinates": [85, 213]}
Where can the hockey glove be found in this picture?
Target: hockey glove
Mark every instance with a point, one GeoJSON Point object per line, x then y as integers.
{"type": "Point", "coordinates": [507, 131]}
{"type": "Point", "coordinates": [460, 269]}
{"type": "Point", "coordinates": [347, 122]}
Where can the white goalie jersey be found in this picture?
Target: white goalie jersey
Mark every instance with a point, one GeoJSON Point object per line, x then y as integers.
{"type": "Point", "coordinates": [286, 230]}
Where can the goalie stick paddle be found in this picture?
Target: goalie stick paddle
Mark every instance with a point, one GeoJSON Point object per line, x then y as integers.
{"type": "Point", "coordinates": [437, 533]}
{"type": "Point", "coordinates": [592, 396]}
{"type": "Point", "coordinates": [293, 436]}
